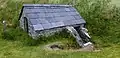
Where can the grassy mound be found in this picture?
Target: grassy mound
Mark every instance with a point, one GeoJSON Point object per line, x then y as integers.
{"type": "Point", "coordinates": [102, 21]}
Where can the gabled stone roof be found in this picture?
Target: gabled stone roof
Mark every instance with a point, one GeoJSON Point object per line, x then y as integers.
{"type": "Point", "coordinates": [47, 16]}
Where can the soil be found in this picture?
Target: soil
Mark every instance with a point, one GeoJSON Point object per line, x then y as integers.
{"type": "Point", "coordinates": [55, 46]}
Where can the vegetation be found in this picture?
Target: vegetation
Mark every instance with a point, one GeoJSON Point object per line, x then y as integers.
{"type": "Point", "coordinates": [102, 21]}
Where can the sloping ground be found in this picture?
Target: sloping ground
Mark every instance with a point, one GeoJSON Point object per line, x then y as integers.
{"type": "Point", "coordinates": [9, 49]}
{"type": "Point", "coordinates": [15, 49]}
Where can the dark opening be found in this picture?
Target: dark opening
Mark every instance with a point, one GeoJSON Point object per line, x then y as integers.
{"type": "Point", "coordinates": [26, 24]}
{"type": "Point", "coordinates": [82, 35]}
{"type": "Point", "coordinates": [56, 46]}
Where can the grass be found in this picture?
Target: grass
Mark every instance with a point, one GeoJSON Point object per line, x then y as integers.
{"type": "Point", "coordinates": [16, 50]}
{"type": "Point", "coordinates": [107, 40]}
{"type": "Point", "coordinates": [117, 2]}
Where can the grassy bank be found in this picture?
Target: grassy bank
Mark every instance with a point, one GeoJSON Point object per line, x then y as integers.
{"type": "Point", "coordinates": [16, 50]}
{"type": "Point", "coordinates": [102, 21]}
{"type": "Point", "coordinates": [117, 2]}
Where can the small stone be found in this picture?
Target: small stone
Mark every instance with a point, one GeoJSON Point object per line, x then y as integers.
{"type": "Point", "coordinates": [88, 48]}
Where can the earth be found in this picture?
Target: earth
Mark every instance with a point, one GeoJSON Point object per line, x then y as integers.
{"type": "Point", "coordinates": [58, 46]}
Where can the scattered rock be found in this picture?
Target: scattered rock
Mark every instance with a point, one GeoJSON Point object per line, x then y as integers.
{"type": "Point", "coordinates": [88, 48]}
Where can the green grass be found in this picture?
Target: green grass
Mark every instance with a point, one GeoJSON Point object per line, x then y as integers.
{"type": "Point", "coordinates": [11, 49]}
{"type": "Point", "coordinates": [106, 39]}
{"type": "Point", "coordinates": [117, 2]}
